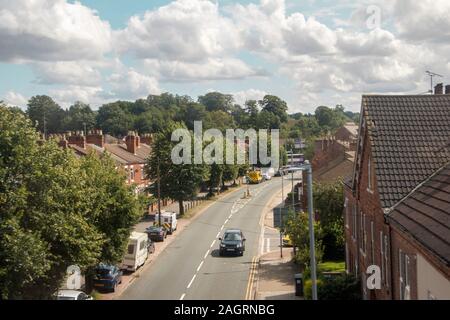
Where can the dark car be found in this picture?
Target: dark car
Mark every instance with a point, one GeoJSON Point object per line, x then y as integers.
{"type": "Point", "coordinates": [156, 233]}
{"type": "Point", "coordinates": [107, 277]}
{"type": "Point", "coordinates": [232, 242]}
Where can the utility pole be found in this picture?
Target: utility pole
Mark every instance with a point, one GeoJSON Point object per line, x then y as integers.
{"type": "Point", "coordinates": [292, 178]}
{"type": "Point", "coordinates": [159, 195]}
{"type": "Point", "coordinates": [312, 249]}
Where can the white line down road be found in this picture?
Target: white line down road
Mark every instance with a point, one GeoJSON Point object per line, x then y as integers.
{"type": "Point", "coordinates": [191, 269]}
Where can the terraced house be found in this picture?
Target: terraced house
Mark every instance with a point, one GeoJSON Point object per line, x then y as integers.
{"type": "Point", "coordinates": [397, 202]}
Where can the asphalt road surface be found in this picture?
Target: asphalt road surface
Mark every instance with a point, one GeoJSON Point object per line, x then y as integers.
{"type": "Point", "coordinates": [191, 268]}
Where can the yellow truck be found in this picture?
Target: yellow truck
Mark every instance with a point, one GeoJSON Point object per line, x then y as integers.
{"type": "Point", "coordinates": [255, 177]}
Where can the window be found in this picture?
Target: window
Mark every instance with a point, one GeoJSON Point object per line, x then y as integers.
{"type": "Point", "coordinates": [404, 263]}
{"type": "Point", "coordinates": [354, 223]}
{"type": "Point", "coordinates": [369, 175]}
{"type": "Point", "coordinates": [372, 241]}
{"type": "Point", "coordinates": [383, 277]}
{"type": "Point", "coordinates": [142, 244]}
{"type": "Point", "coordinates": [386, 257]}
{"type": "Point", "coordinates": [131, 174]}
{"type": "Point", "coordinates": [363, 233]}
{"type": "Point", "coordinates": [347, 215]}
{"type": "Point", "coordinates": [131, 249]}
{"type": "Point", "coordinates": [143, 173]}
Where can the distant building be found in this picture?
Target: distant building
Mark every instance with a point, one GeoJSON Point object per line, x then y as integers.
{"type": "Point", "coordinates": [397, 202]}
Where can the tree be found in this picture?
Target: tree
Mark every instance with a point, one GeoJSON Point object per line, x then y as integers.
{"type": "Point", "coordinates": [219, 120]}
{"type": "Point", "coordinates": [298, 230]}
{"type": "Point", "coordinates": [329, 203]}
{"type": "Point", "coordinates": [180, 182]}
{"type": "Point", "coordinates": [268, 120]}
{"type": "Point", "coordinates": [115, 118]}
{"type": "Point", "coordinates": [216, 101]}
{"type": "Point", "coordinates": [45, 114]}
{"type": "Point", "coordinates": [79, 117]}
{"type": "Point", "coordinates": [56, 210]}
{"type": "Point", "coordinates": [276, 106]}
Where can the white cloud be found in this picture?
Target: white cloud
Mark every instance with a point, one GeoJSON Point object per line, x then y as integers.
{"type": "Point", "coordinates": [51, 30]}
{"type": "Point", "coordinates": [241, 97]}
{"type": "Point", "coordinates": [13, 98]}
{"type": "Point", "coordinates": [67, 72]}
{"type": "Point", "coordinates": [67, 95]}
{"type": "Point", "coordinates": [133, 85]}
{"type": "Point", "coordinates": [186, 30]}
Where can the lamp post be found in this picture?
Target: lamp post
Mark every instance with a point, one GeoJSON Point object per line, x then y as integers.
{"type": "Point", "coordinates": [312, 252]}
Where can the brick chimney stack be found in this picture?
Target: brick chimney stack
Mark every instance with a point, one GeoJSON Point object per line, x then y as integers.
{"type": "Point", "coordinates": [77, 138]}
{"type": "Point", "coordinates": [131, 142]}
{"type": "Point", "coordinates": [447, 89]}
{"type": "Point", "coordinates": [96, 137]}
{"type": "Point", "coordinates": [147, 139]}
{"type": "Point", "coordinates": [63, 143]}
{"type": "Point", "coordinates": [439, 88]}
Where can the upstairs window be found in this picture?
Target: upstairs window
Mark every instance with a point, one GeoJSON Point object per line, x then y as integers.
{"type": "Point", "coordinates": [369, 175]}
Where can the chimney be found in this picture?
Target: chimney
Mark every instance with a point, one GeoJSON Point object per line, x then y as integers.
{"type": "Point", "coordinates": [131, 142]}
{"type": "Point", "coordinates": [78, 139]}
{"type": "Point", "coordinates": [439, 88]}
{"type": "Point", "coordinates": [96, 137]}
{"type": "Point", "coordinates": [447, 89]}
{"type": "Point", "coordinates": [138, 140]}
{"type": "Point", "coordinates": [63, 143]}
{"type": "Point", "coordinates": [147, 138]}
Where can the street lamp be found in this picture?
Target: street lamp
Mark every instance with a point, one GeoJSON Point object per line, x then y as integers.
{"type": "Point", "coordinates": [312, 252]}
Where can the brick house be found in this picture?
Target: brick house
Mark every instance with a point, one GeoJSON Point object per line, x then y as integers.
{"type": "Point", "coordinates": [403, 142]}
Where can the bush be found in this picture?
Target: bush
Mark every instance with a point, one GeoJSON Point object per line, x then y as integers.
{"type": "Point", "coordinates": [343, 287]}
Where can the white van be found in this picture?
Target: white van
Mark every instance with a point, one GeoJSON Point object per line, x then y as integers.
{"type": "Point", "coordinates": [137, 251]}
{"type": "Point", "coordinates": [168, 219]}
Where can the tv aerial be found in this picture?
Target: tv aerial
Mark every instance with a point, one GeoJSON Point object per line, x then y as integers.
{"type": "Point", "coordinates": [432, 75]}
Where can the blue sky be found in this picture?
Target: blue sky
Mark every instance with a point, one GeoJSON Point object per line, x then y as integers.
{"type": "Point", "coordinates": [310, 53]}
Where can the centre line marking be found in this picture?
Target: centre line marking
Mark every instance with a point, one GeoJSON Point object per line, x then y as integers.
{"type": "Point", "coordinates": [206, 254]}
{"type": "Point", "coordinates": [212, 244]}
{"type": "Point", "coordinates": [190, 283]}
{"type": "Point", "coordinates": [229, 217]}
{"type": "Point", "coordinates": [218, 234]}
{"type": "Point", "coordinates": [200, 266]}
{"type": "Point", "coordinates": [226, 221]}
{"type": "Point", "coordinates": [221, 228]}
{"type": "Point", "coordinates": [182, 296]}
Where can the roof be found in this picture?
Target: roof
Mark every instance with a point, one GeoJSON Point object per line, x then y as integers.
{"type": "Point", "coordinates": [120, 151]}
{"type": "Point", "coordinates": [352, 128]}
{"type": "Point", "coordinates": [410, 138]}
{"type": "Point", "coordinates": [425, 214]}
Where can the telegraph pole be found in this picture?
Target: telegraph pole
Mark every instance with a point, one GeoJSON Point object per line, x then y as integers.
{"type": "Point", "coordinates": [159, 195]}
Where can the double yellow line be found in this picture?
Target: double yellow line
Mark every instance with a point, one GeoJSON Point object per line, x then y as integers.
{"type": "Point", "coordinates": [251, 279]}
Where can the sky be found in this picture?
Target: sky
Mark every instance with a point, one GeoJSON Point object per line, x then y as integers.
{"type": "Point", "coordinates": [307, 52]}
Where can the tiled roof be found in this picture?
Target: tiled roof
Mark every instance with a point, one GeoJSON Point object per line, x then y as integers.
{"type": "Point", "coordinates": [120, 150]}
{"type": "Point", "coordinates": [425, 214]}
{"type": "Point", "coordinates": [410, 138]}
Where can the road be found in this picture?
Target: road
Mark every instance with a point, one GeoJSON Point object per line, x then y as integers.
{"type": "Point", "coordinates": [191, 268]}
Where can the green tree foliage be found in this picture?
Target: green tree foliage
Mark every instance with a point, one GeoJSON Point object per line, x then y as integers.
{"type": "Point", "coordinates": [216, 101]}
{"type": "Point", "coordinates": [298, 230]}
{"type": "Point", "coordinates": [276, 106]}
{"type": "Point", "coordinates": [55, 211]}
{"type": "Point", "coordinates": [115, 118]}
{"type": "Point", "coordinates": [44, 112]}
{"type": "Point", "coordinates": [79, 117]}
{"type": "Point", "coordinates": [180, 182]}
{"type": "Point", "coordinates": [329, 202]}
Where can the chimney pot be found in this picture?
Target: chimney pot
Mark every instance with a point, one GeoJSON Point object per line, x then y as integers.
{"type": "Point", "coordinates": [447, 89]}
{"type": "Point", "coordinates": [439, 88]}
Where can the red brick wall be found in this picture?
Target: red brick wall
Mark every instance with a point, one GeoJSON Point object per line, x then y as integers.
{"type": "Point", "coordinates": [368, 204]}
{"type": "Point", "coordinates": [139, 175]}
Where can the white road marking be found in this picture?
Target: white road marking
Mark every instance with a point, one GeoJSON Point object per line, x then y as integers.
{"type": "Point", "coordinates": [212, 244]}
{"type": "Point", "coordinates": [231, 215]}
{"type": "Point", "coordinates": [200, 266]}
{"type": "Point", "coordinates": [226, 221]}
{"type": "Point", "coordinates": [221, 228]}
{"type": "Point", "coordinates": [218, 234]}
{"type": "Point", "coordinates": [261, 240]}
{"type": "Point", "coordinates": [206, 254]}
{"type": "Point", "coordinates": [182, 296]}
{"type": "Point", "coordinates": [190, 283]}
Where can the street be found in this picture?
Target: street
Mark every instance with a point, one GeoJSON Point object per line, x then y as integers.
{"type": "Point", "coordinates": [190, 268]}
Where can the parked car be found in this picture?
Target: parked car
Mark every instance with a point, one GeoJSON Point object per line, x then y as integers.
{"type": "Point", "coordinates": [233, 241]}
{"type": "Point", "coordinates": [107, 277]}
{"type": "Point", "coordinates": [137, 251]}
{"type": "Point", "coordinates": [267, 177]}
{"type": "Point", "coordinates": [72, 295]}
{"type": "Point", "coordinates": [156, 233]}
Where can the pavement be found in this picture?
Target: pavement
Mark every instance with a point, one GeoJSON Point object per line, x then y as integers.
{"type": "Point", "coordinates": [190, 268]}
{"type": "Point", "coordinates": [274, 274]}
